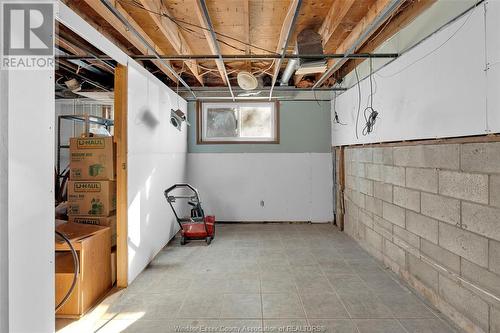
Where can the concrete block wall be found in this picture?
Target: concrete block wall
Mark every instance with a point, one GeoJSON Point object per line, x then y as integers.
{"type": "Point", "coordinates": [431, 213]}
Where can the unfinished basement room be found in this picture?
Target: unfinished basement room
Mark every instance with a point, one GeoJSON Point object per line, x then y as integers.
{"type": "Point", "coordinates": [209, 166]}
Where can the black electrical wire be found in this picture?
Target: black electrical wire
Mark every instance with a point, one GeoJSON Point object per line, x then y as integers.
{"type": "Point", "coordinates": [178, 23]}
{"type": "Point", "coordinates": [76, 268]}
{"type": "Point", "coordinates": [370, 113]}
{"type": "Point", "coordinates": [336, 119]}
{"type": "Point", "coordinates": [359, 101]}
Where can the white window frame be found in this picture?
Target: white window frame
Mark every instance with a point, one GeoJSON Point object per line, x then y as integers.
{"type": "Point", "coordinates": [202, 131]}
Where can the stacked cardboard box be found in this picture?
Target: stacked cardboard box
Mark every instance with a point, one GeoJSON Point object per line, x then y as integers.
{"type": "Point", "coordinates": [92, 188]}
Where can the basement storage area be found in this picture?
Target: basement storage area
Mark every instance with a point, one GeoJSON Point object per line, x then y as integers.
{"type": "Point", "coordinates": [250, 166]}
{"type": "Point", "coordinates": [85, 186]}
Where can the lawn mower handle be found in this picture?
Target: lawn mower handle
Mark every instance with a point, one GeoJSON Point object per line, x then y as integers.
{"type": "Point", "coordinates": [182, 185]}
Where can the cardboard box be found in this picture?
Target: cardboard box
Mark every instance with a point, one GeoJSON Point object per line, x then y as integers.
{"type": "Point", "coordinates": [96, 198]}
{"type": "Point", "coordinates": [107, 221]}
{"type": "Point", "coordinates": [91, 158]}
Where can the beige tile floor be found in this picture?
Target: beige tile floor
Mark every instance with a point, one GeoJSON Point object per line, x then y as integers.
{"type": "Point", "coordinates": [266, 277]}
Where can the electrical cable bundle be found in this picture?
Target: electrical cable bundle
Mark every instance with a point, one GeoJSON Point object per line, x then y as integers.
{"type": "Point", "coordinates": [369, 113]}
{"type": "Point", "coordinates": [336, 119]}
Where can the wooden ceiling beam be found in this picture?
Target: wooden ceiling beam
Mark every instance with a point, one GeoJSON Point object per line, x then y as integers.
{"type": "Point", "coordinates": [107, 15]}
{"type": "Point", "coordinates": [246, 27]}
{"type": "Point", "coordinates": [400, 21]}
{"type": "Point", "coordinates": [376, 15]}
{"type": "Point", "coordinates": [171, 32]}
{"type": "Point", "coordinates": [335, 15]}
{"type": "Point", "coordinates": [211, 42]}
{"type": "Point", "coordinates": [65, 44]}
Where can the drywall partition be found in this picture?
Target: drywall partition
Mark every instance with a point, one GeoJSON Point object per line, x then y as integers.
{"type": "Point", "coordinates": [438, 89]}
{"type": "Point", "coordinates": [4, 202]}
{"type": "Point", "coordinates": [156, 160]}
{"type": "Point", "coordinates": [30, 203]}
{"type": "Point", "coordinates": [289, 181]}
{"type": "Point", "coordinates": [431, 213]}
{"type": "Point", "coordinates": [264, 187]}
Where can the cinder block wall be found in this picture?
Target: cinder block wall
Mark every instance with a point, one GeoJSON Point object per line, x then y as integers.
{"type": "Point", "coordinates": [431, 213]}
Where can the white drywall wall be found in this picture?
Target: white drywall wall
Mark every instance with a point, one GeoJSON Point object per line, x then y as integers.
{"type": "Point", "coordinates": [30, 200]}
{"type": "Point", "coordinates": [293, 186]}
{"type": "Point", "coordinates": [493, 59]}
{"type": "Point", "coordinates": [156, 160]}
{"type": "Point", "coordinates": [4, 248]}
{"type": "Point", "coordinates": [441, 95]}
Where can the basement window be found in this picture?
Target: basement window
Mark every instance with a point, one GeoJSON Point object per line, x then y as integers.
{"type": "Point", "coordinates": [248, 122]}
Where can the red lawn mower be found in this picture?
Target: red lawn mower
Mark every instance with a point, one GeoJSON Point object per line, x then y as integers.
{"type": "Point", "coordinates": [197, 226]}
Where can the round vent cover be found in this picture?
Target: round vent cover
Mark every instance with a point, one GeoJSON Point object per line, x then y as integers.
{"type": "Point", "coordinates": [247, 81]}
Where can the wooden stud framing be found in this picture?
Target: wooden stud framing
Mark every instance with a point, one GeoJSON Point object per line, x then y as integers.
{"type": "Point", "coordinates": [120, 137]}
{"type": "Point", "coordinates": [171, 32]}
{"type": "Point", "coordinates": [107, 15]}
{"type": "Point", "coordinates": [340, 187]}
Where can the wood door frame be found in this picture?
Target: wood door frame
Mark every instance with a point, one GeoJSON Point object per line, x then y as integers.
{"type": "Point", "coordinates": [340, 187]}
{"type": "Point", "coordinates": [120, 138]}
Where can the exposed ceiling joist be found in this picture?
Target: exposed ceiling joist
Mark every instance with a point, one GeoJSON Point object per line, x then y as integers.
{"type": "Point", "coordinates": [171, 32]}
{"type": "Point", "coordinates": [212, 43]}
{"type": "Point", "coordinates": [335, 15]}
{"type": "Point", "coordinates": [400, 21]}
{"type": "Point", "coordinates": [107, 15]}
{"type": "Point", "coordinates": [76, 50]}
{"type": "Point", "coordinates": [206, 17]}
{"type": "Point", "coordinates": [124, 21]}
{"type": "Point", "coordinates": [377, 14]}
{"type": "Point", "coordinates": [246, 29]}
{"type": "Point", "coordinates": [286, 32]}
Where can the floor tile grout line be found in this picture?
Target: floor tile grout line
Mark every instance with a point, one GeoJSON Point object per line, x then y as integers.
{"type": "Point", "coordinates": [401, 324]}
{"type": "Point", "coordinates": [298, 294]}
{"type": "Point", "coordinates": [261, 301]}
{"type": "Point", "coordinates": [401, 283]}
{"type": "Point", "coordinates": [376, 296]}
{"type": "Point", "coordinates": [335, 291]}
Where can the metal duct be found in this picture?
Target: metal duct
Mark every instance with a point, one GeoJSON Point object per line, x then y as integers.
{"type": "Point", "coordinates": [291, 67]}
{"type": "Point", "coordinates": [308, 42]}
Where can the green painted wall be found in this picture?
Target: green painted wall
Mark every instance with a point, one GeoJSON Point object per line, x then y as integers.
{"type": "Point", "coordinates": [305, 127]}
